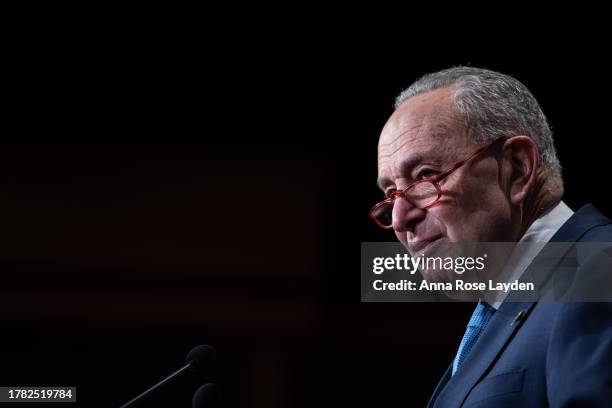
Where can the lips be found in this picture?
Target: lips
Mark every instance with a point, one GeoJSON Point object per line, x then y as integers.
{"type": "Point", "coordinates": [418, 245]}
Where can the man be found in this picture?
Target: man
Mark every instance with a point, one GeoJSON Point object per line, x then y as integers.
{"type": "Point", "coordinates": [468, 156]}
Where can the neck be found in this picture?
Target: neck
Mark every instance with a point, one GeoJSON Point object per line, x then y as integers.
{"type": "Point", "coordinates": [543, 199]}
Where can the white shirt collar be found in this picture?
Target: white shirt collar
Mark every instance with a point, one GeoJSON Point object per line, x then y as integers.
{"type": "Point", "coordinates": [538, 233]}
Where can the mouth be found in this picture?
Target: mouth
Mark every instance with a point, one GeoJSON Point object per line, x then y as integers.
{"type": "Point", "coordinates": [420, 245]}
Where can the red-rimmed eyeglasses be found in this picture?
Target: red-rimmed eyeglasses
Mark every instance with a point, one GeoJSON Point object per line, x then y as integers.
{"type": "Point", "coordinates": [422, 194]}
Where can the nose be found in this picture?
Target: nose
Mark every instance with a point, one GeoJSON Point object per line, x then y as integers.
{"type": "Point", "coordinates": [405, 215]}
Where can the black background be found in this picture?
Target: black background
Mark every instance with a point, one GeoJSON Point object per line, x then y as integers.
{"type": "Point", "coordinates": [165, 185]}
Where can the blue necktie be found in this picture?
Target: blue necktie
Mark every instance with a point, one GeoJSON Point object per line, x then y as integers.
{"type": "Point", "coordinates": [480, 318]}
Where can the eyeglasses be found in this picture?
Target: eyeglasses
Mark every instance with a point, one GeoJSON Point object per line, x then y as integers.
{"type": "Point", "coordinates": [422, 194]}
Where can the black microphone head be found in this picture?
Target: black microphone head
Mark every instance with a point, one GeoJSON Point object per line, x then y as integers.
{"type": "Point", "coordinates": [201, 356]}
{"type": "Point", "coordinates": [206, 396]}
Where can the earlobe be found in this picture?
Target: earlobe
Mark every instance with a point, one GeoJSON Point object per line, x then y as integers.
{"type": "Point", "coordinates": [523, 155]}
{"type": "Point", "coordinates": [518, 197]}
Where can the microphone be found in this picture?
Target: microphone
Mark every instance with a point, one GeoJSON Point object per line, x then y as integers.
{"type": "Point", "coordinates": [198, 358]}
{"type": "Point", "coordinates": [206, 396]}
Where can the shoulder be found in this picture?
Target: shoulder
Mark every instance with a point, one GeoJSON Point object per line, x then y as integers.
{"type": "Point", "coordinates": [600, 233]}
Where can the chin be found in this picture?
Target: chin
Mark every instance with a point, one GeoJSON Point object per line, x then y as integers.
{"type": "Point", "coordinates": [438, 276]}
{"type": "Point", "coordinates": [463, 296]}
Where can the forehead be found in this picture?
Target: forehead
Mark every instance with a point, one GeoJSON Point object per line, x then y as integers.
{"type": "Point", "coordinates": [423, 127]}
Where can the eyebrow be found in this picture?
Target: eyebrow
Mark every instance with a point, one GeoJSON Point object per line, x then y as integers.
{"type": "Point", "coordinates": [405, 168]}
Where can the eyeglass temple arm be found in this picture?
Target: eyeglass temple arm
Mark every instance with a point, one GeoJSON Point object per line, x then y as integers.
{"type": "Point", "coordinates": [462, 162]}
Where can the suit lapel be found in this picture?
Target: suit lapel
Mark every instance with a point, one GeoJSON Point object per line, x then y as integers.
{"type": "Point", "coordinates": [487, 347]}
{"type": "Point", "coordinates": [441, 385]}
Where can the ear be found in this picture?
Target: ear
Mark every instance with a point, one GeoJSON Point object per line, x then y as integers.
{"type": "Point", "coordinates": [522, 155]}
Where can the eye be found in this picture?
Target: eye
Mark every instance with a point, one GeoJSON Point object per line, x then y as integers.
{"type": "Point", "coordinates": [426, 174]}
{"type": "Point", "coordinates": [389, 192]}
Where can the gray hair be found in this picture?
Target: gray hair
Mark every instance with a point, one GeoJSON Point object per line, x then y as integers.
{"type": "Point", "coordinates": [492, 105]}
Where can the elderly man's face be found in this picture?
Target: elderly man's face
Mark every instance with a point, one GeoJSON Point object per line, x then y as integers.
{"type": "Point", "coordinates": [421, 139]}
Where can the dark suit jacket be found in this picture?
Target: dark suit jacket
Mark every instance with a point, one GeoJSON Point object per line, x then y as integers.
{"type": "Point", "coordinates": [559, 354]}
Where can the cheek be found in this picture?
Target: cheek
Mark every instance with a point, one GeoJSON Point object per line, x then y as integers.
{"type": "Point", "coordinates": [481, 219]}
{"type": "Point", "coordinates": [475, 213]}
{"type": "Point", "coordinates": [447, 221]}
